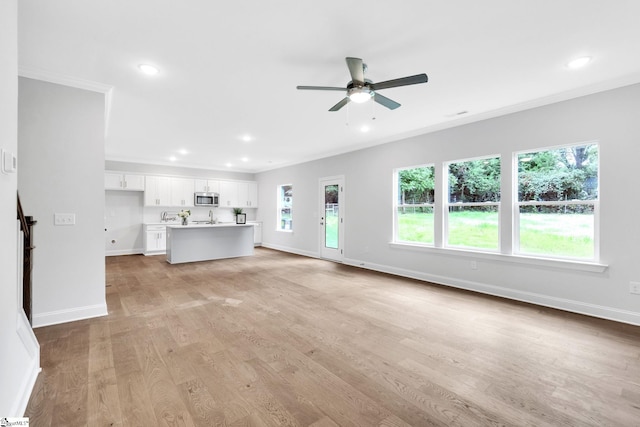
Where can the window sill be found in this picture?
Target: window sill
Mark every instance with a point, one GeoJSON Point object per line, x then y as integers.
{"type": "Point", "coordinates": [564, 264]}
{"type": "Point", "coordinates": [284, 231]}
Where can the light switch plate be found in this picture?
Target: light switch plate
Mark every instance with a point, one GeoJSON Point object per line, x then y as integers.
{"type": "Point", "coordinates": [9, 162]}
{"type": "Point", "coordinates": [64, 219]}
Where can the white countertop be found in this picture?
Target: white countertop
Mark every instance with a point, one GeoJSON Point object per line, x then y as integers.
{"type": "Point", "coordinates": [220, 224]}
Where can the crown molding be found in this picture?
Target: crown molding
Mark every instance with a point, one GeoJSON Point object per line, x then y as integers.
{"type": "Point", "coordinates": [65, 80]}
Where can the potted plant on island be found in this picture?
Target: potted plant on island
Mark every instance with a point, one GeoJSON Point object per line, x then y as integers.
{"type": "Point", "coordinates": [184, 214]}
{"type": "Point", "coordinates": [241, 218]}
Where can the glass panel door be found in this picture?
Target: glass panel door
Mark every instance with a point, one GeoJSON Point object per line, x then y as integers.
{"type": "Point", "coordinates": [332, 218]}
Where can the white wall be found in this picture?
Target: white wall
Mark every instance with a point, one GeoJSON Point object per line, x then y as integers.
{"type": "Point", "coordinates": [612, 118]}
{"type": "Point", "coordinates": [61, 149]}
{"type": "Point", "coordinates": [20, 354]}
{"type": "Point", "coordinates": [123, 215]}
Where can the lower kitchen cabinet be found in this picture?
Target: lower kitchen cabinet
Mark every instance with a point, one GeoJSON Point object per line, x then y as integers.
{"type": "Point", "coordinates": [257, 233]}
{"type": "Point", "coordinates": [155, 239]}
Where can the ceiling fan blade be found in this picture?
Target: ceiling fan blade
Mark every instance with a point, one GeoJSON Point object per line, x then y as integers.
{"type": "Point", "coordinates": [404, 81]}
{"type": "Point", "coordinates": [320, 88]}
{"type": "Point", "coordinates": [340, 104]}
{"type": "Point", "coordinates": [383, 100]}
{"type": "Point", "coordinates": [356, 69]}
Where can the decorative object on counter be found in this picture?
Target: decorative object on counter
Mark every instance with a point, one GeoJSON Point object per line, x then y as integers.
{"type": "Point", "coordinates": [184, 214]}
{"type": "Point", "coordinates": [241, 218]}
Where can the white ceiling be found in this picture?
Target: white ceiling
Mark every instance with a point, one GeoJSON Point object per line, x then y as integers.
{"type": "Point", "coordinates": [229, 69]}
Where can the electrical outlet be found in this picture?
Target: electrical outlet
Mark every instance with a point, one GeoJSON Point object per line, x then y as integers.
{"type": "Point", "coordinates": [64, 219]}
{"type": "Point", "coordinates": [473, 265]}
{"type": "Point", "coordinates": [634, 287]}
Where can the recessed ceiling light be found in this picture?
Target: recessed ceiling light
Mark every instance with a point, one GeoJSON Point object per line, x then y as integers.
{"type": "Point", "coordinates": [245, 159]}
{"type": "Point", "coordinates": [579, 62]}
{"type": "Point", "coordinates": [246, 138]}
{"type": "Point", "coordinates": [173, 158]}
{"type": "Point", "coordinates": [365, 128]}
{"type": "Point", "coordinates": [183, 152]}
{"type": "Point", "coordinates": [148, 69]}
{"type": "Point", "coordinates": [228, 165]}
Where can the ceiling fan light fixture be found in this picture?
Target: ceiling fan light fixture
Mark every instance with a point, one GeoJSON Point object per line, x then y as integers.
{"type": "Point", "coordinates": [360, 95]}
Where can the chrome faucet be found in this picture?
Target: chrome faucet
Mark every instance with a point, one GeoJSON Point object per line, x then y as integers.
{"type": "Point", "coordinates": [210, 216]}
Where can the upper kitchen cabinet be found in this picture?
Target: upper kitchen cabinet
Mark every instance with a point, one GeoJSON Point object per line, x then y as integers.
{"type": "Point", "coordinates": [247, 194]}
{"type": "Point", "coordinates": [120, 181]}
{"type": "Point", "coordinates": [207, 186]}
{"type": "Point", "coordinates": [157, 191]}
{"type": "Point", "coordinates": [182, 192]}
{"type": "Point", "coordinates": [228, 194]}
{"type": "Point", "coordinates": [238, 194]}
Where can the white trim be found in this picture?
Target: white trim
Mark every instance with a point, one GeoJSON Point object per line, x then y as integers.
{"type": "Point", "coordinates": [32, 347]}
{"type": "Point", "coordinates": [28, 338]}
{"type": "Point", "coordinates": [563, 264]}
{"type": "Point", "coordinates": [63, 79]}
{"type": "Point", "coordinates": [69, 315]}
{"type": "Point", "coordinates": [124, 252]}
{"type": "Point", "coordinates": [573, 306]}
{"type": "Point", "coordinates": [291, 250]}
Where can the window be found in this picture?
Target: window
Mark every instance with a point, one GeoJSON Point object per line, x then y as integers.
{"type": "Point", "coordinates": [557, 202]}
{"type": "Point", "coordinates": [414, 205]}
{"type": "Point", "coordinates": [285, 207]}
{"type": "Point", "coordinates": [474, 203]}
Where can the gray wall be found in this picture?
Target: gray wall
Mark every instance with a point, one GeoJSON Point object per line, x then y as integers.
{"type": "Point", "coordinates": [20, 354]}
{"type": "Point", "coordinates": [61, 148]}
{"type": "Point", "coordinates": [612, 118]}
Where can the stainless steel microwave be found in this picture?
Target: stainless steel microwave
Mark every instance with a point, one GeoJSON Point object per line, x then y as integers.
{"type": "Point", "coordinates": [206, 199]}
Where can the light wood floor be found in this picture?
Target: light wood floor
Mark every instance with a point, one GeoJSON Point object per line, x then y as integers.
{"type": "Point", "coordinates": [278, 339]}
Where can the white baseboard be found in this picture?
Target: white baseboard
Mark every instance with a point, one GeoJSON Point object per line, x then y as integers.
{"type": "Point", "coordinates": [32, 347]}
{"type": "Point", "coordinates": [70, 315]}
{"type": "Point", "coordinates": [291, 250]}
{"type": "Point", "coordinates": [124, 252]}
{"type": "Point", "coordinates": [573, 306]}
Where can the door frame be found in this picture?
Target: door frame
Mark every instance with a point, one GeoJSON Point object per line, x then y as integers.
{"type": "Point", "coordinates": [336, 255]}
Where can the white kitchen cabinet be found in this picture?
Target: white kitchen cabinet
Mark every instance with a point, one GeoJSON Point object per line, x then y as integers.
{"type": "Point", "coordinates": [157, 191]}
{"type": "Point", "coordinates": [252, 195]}
{"type": "Point", "coordinates": [182, 192]}
{"type": "Point", "coordinates": [206, 186]}
{"type": "Point", "coordinates": [120, 181]}
{"type": "Point", "coordinates": [229, 194]}
{"type": "Point", "coordinates": [239, 194]}
{"type": "Point", "coordinates": [155, 239]}
{"type": "Point", "coordinates": [257, 233]}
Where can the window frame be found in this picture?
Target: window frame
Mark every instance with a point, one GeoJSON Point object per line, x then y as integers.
{"type": "Point", "coordinates": [517, 204]}
{"type": "Point", "coordinates": [397, 205]}
{"type": "Point", "coordinates": [448, 204]}
{"type": "Point", "coordinates": [508, 217]}
{"type": "Point", "coordinates": [280, 205]}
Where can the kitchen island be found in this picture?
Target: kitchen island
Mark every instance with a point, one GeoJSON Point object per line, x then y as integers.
{"type": "Point", "coordinates": [204, 242]}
